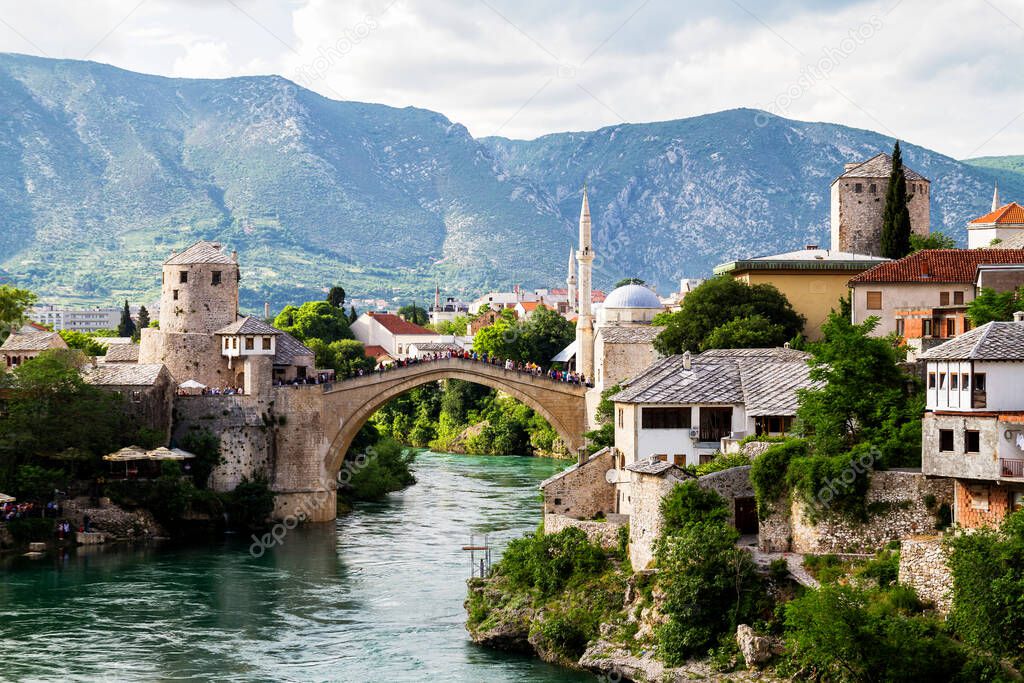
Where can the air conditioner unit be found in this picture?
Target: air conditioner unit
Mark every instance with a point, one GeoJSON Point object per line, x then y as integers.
{"type": "Point", "coordinates": [694, 433]}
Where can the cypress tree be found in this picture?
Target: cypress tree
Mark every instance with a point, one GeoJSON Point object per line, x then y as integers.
{"type": "Point", "coordinates": [352, 315]}
{"type": "Point", "coordinates": [896, 216]}
{"type": "Point", "coordinates": [143, 319]}
{"type": "Point", "coordinates": [127, 326]}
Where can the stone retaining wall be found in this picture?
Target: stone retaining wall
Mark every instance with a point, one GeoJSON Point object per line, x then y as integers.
{"type": "Point", "coordinates": [923, 567]}
{"type": "Point", "coordinates": [605, 533]}
{"type": "Point", "coordinates": [731, 484]}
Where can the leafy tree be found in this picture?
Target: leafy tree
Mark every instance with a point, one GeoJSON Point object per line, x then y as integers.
{"type": "Point", "coordinates": [688, 503]}
{"type": "Point", "coordinates": [38, 483]}
{"type": "Point", "coordinates": [547, 562]}
{"type": "Point", "coordinates": [144, 320]}
{"type": "Point", "coordinates": [414, 314]}
{"type": "Point", "coordinates": [345, 356]}
{"type": "Point", "coordinates": [314, 320]}
{"type": "Point", "coordinates": [14, 303]}
{"type": "Point", "coordinates": [382, 469]}
{"type": "Point", "coordinates": [126, 328]}
{"type": "Point", "coordinates": [747, 333]}
{"type": "Point", "coordinates": [336, 297]}
{"type": "Point", "coordinates": [865, 397]}
{"type": "Point", "coordinates": [85, 343]}
{"type": "Point", "coordinates": [544, 334]}
{"type": "Point", "coordinates": [456, 326]}
{"type": "Point", "coordinates": [991, 305]}
{"type": "Point", "coordinates": [896, 216]}
{"type": "Point", "coordinates": [629, 281]}
{"type": "Point", "coordinates": [934, 240]}
{"type": "Point", "coordinates": [501, 338]}
{"type": "Point", "coordinates": [721, 300]}
{"type": "Point", "coordinates": [205, 445]}
{"type": "Point", "coordinates": [249, 505]}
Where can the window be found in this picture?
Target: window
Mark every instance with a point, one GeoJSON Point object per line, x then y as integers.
{"type": "Point", "coordinates": [954, 381]}
{"type": "Point", "coordinates": [216, 278]}
{"type": "Point", "coordinates": [926, 328]}
{"type": "Point", "coordinates": [705, 458]}
{"type": "Point", "coordinates": [950, 327]}
{"type": "Point", "coordinates": [945, 439]}
{"type": "Point", "coordinates": [1017, 501]}
{"type": "Point", "coordinates": [183, 276]}
{"type": "Point", "coordinates": [227, 342]}
{"type": "Point", "coordinates": [979, 381]}
{"type": "Point", "coordinates": [972, 441]}
{"type": "Point", "coordinates": [234, 342]}
{"type": "Point", "coordinates": [958, 298]}
{"type": "Point", "coordinates": [899, 326]}
{"type": "Point", "coordinates": [943, 298]}
{"type": "Point", "coordinates": [620, 417]}
{"type": "Point", "coordinates": [874, 301]}
{"type": "Point", "coordinates": [857, 187]}
{"type": "Point", "coordinates": [965, 381]}
{"type": "Point", "coordinates": [772, 424]}
{"type": "Point", "coordinates": [266, 344]}
{"type": "Point", "coordinates": [665, 418]}
{"type": "Point", "coordinates": [942, 380]}
{"type": "Point", "coordinates": [136, 396]}
{"type": "Point", "coordinates": [175, 294]}
{"type": "Point", "coordinates": [931, 380]}
{"type": "Point", "coordinates": [873, 188]}
{"type": "Point", "coordinates": [715, 423]}
{"type": "Point", "coordinates": [249, 343]}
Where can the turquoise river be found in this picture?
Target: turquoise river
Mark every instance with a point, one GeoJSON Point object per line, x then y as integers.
{"type": "Point", "coordinates": [376, 596]}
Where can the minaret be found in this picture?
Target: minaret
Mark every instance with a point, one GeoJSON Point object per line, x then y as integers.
{"type": "Point", "coordinates": [585, 323]}
{"type": "Point", "coordinates": [437, 297]}
{"type": "Point", "coordinates": [995, 198]}
{"type": "Point", "coordinates": [570, 282]}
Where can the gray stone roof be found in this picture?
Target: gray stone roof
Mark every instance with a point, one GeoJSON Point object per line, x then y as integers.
{"type": "Point", "coordinates": [634, 334]}
{"type": "Point", "coordinates": [1013, 242]}
{"type": "Point", "coordinates": [288, 349]}
{"type": "Point", "coordinates": [33, 341]}
{"type": "Point", "coordinates": [248, 325]}
{"type": "Point", "coordinates": [766, 383]}
{"type": "Point", "coordinates": [436, 346]}
{"type": "Point", "coordinates": [122, 353]}
{"type": "Point", "coordinates": [879, 166]}
{"type": "Point", "coordinates": [201, 252]}
{"type": "Point", "coordinates": [991, 341]}
{"type": "Point", "coordinates": [124, 374]}
{"type": "Point", "coordinates": [657, 468]}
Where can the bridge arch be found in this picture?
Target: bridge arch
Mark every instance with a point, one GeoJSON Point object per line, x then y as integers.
{"type": "Point", "coordinates": [562, 404]}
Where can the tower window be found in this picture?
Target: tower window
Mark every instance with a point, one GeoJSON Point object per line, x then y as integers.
{"type": "Point", "coordinates": [216, 278]}
{"type": "Point", "coordinates": [184, 276]}
{"type": "Point", "coordinates": [175, 294]}
{"type": "Point", "coordinates": [249, 345]}
{"type": "Point", "coordinates": [873, 188]}
{"type": "Point", "coordinates": [857, 187]}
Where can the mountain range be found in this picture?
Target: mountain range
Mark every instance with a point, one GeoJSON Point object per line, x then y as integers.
{"type": "Point", "coordinates": [103, 172]}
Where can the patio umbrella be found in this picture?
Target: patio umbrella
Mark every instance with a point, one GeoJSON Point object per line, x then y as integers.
{"type": "Point", "coordinates": [191, 384]}
{"type": "Point", "coordinates": [4, 498]}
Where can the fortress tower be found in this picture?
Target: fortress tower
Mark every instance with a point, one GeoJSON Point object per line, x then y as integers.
{"type": "Point", "coordinates": [858, 201]}
{"type": "Point", "coordinates": [199, 296]}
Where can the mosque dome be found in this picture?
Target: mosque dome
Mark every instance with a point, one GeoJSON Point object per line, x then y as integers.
{"type": "Point", "coordinates": [632, 296]}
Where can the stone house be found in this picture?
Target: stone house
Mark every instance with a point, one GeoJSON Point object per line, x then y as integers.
{"type": "Point", "coordinates": [25, 345]}
{"type": "Point", "coordinates": [812, 279]}
{"type": "Point", "coordinates": [121, 353]}
{"type": "Point", "coordinates": [858, 201]}
{"type": "Point", "coordinates": [147, 392]}
{"type": "Point", "coordinates": [924, 295]}
{"type": "Point", "coordinates": [973, 428]}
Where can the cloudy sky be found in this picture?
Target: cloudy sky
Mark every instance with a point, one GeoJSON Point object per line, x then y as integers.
{"type": "Point", "coordinates": [941, 73]}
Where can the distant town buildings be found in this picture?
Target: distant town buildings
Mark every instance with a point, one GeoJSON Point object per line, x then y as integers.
{"type": "Point", "coordinates": [1004, 224]}
{"type": "Point", "coordinates": [395, 335]}
{"type": "Point", "coordinates": [858, 201]}
{"type": "Point", "coordinates": [82, 319]}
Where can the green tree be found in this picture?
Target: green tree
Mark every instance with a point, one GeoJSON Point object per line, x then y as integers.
{"type": "Point", "coordinates": [991, 305]}
{"type": "Point", "coordinates": [934, 240]}
{"type": "Point", "coordinates": [352, 315]}
{"type": "Point", "coordinates": [502, 338]}
{"type": "Point", "coordinates": [126, 328]}
{"type": "Point", "coordinates": [314, 320]}
{"type": "Point", "coordinates": [747, 333]}
{"type": "Point", "coordinates": [414, 314]}
{"type": "Point", "coordinates": [544, 334]}
{"type": "Point", "coordinates": [604, 435]}
{"type": "Point", "coordinates": [14, 303]}
{"type": "Point", "coordinates": [336, 297]}
{"type": "Point", "coordinates": [144, 320]}
{"type": "Point", "coordinates": [85, 343]}
{"type": "Point", "coordinates": [205, 445]}
{"type": "Point", "coordinates": [722, 300]}
{"type": "Point", "coordinates": [456, 326]}
{"type": "Point", "coordinates": [864, 396]}
{"type": "Point", "coordinates": [250, 504]}
{"type": "Point", "coordinates": [896, 216]}
{"type": "Point", "coordinates": [383, 468]}
{"type": "Point", "coordinates": [629, 281]}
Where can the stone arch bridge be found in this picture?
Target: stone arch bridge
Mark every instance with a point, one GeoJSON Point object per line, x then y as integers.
{"type": "Point", "coordinates": [322, 420]}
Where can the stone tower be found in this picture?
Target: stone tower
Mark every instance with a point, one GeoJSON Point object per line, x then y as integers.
{"type": "Point", "coordinates": [199, 296]}
{"type": "Point", "coordinates": [570, 282]}
{"type": "Point", "coordinates": [858, 202]}
{"type": "Point", "coordinates": [585, 322]}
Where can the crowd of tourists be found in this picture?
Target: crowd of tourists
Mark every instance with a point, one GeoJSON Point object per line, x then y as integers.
{"type": "Point", "coordinates": [508, 364]}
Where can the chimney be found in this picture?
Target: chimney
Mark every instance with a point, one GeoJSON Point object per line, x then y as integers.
{"type": "Point", "coordinates": [1018, 317]}
{"type": "Point", "coordinates": [234, 256]}
{"type": "Point", "coordinates": [925, 269]}
{"type": "Point", "coordinates": [786, 345]}
{"type": "Point", "coordinates": [687, 363]}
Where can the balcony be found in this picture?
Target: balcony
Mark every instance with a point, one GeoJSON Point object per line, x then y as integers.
{"type": "Point", "coordinates": [1010, 468]}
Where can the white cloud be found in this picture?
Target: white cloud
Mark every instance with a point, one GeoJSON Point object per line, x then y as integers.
{"type": "Point", "coordinates": [944, 74]}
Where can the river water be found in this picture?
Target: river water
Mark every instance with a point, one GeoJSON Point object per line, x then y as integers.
{"type": "Point", "coordinates": [377, 596]}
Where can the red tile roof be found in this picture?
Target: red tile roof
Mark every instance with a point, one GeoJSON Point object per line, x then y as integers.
{"type": "Point", "coordinates": [395, 325]}
{"type": "Point", "coordinates": [1008, 214]}
{"type": "Point", "coordinates": [597, 296]}
{"type": "Point", "coordinates": [373, 351]}
{"type": "Point", "coordinates": [531, 305]}
{"type": "Point", "coordinates": [938, 265]}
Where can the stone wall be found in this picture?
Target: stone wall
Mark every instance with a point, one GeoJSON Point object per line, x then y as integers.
{"type": "Point", "coordinates": [605, 533]}
{"type": "Point", "coordinates": [897, 509]}
{"type": "Point", "coordinates": [923, 567]}
{"type": "Point", "coordinates": [731, 484]}
{"type": "Point", "coordinates": [188, 356]}
{"type": "Point", "coordinates": [646, 492]}
{"type": "Point", "coordinates": [199, 306]}
{"type": "Point", "coordinates": [582, 491]}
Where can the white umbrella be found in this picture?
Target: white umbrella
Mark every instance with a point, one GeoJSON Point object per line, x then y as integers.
{"type": "Point", "coordinates": [191, 384]}
{"type": "Point", "coordinates": [4, 498]}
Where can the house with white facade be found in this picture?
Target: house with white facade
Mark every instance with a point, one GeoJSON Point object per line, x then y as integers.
{"type": "Point", "coordinates": [683, 407]}
{"type": "Point", "coordinates": [394, 334]}
{"type": "Point", "coordinates": [973, 427]}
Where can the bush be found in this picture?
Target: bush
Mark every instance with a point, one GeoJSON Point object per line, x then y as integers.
{"type": "Point", "coordinates": [721, 462]}
{"type": "Point", "coordinates": [250, 504]}
{"type": "Point", "coordinates": [29, 529]}
{"type": "Point", "coordinates": [884, 568]}
{"type": "Point", "coordinates": [206, 447]}
{"type": "Point", "coordinates": [688, 503]}
{"type": "Point", "coordinates": [832, 484]}
{"type": "Point", "coordinates": [768, 472]}
{"type": "Point", "coordinates": [37, 483]}
{"type": "Point", "coordinates": [547, 562]}
{"type": "Point", "coordinates": [383, 468]}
